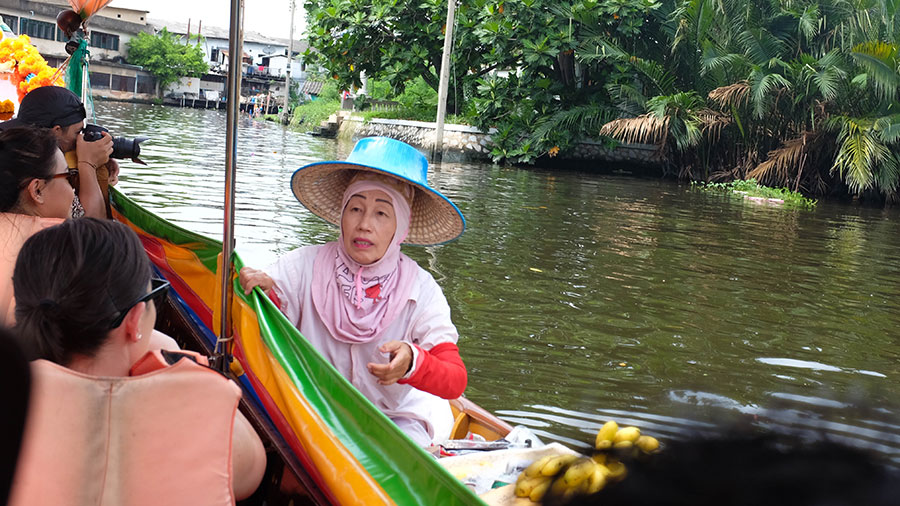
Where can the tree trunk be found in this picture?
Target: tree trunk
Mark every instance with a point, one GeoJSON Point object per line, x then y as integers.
{"type": "Point", "coordinates": [431, 79]}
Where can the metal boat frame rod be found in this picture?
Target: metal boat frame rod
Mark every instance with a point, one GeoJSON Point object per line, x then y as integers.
{"type": "Point", "coordinates": [235, 52]}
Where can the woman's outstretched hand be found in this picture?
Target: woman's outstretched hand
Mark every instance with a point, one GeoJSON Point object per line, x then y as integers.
{"type": "Point", "coordinates": [401, 361]}
{"type": "Point", "coordinates": [250, 278]}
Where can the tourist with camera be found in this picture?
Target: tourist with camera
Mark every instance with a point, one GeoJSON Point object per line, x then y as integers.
{"type": "Point", "coordinates": [62, 112]}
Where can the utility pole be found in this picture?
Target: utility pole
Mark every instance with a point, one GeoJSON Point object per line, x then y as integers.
{"type": "Point", "coordinates": [290, 65]}
{"type": "Point", "coordinates": [437, 152]}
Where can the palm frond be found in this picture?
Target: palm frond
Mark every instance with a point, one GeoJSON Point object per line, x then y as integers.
{"type": "Point", "coordinates": [713, 122]}
{"type": "Point", "coordinates": [781, 163]}
{"type": "Point", "coordinates": [808, 23]}
{"type": "Point", "coordinates": [681, 111]}
{"type": "Point", "coordinates": [887, 176]}
{"type": "Point", "coordinates": [761, 86]}
{"type": "Point", "coordinates": [599, 47]}
{"type": "Point", "coordinates": [889, 128]}
{"type": "Point", "coordinates": [628, 98]}
{"type": "Point", "coordinates": [687, 134]}
{"type": "Point", "coordinates": [713, 61]}
{"type": "Point", "coordinates": [733, 95]}
{"type": "Point", "coordinates": [656, 73]}
{"type": "Point", "coordinates": [761, 46]}
{"type": "Point", "coordinates": [830, 74]}
{"type": "Point", "coordinates": [587, 118]}
{"type": "Point", "coordinates": [859, 154]}
{"type": "Point", "coordinates": [693, 20]}
{"type": "Point", "coordinates": [644, 129]}
{"type": "Point", "coordinates": [880, 61]}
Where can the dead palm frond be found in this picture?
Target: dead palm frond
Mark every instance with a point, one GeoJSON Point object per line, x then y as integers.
{"type": "Point", "coordinates": [644, 129]}
{"type": "Point", "coordinates": [781, 163]}
{"type": "Point", "coordinates": [785, 166]}
{"type": "Point", "coordinates": [733, 95]}
{"type": "Point", "coordinates": [713, 122]}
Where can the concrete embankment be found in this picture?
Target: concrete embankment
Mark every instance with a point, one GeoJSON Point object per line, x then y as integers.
{"type": "Point", "coordinates": [463, 142]}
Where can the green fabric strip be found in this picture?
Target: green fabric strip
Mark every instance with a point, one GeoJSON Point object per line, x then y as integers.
{"type": "Point", "coordinates": [75, 72]}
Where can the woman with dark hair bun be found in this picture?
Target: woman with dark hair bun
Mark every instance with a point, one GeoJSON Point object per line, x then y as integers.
{"type": "Point", "coordinates": [111, 421]}
{"type": "Point", "coordinates": [36, 191]}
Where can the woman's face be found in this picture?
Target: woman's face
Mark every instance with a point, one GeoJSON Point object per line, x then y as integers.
{"type": "Point", "coordinates": [57, 192]}
{"type": "Point", "coordinates": [368, 224]}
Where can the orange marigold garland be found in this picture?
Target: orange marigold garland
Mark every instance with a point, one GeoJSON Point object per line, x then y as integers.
{"type": "Point", "coordinates": [7, 108]}
{"type": "Point", "coordinates": [30, 69]}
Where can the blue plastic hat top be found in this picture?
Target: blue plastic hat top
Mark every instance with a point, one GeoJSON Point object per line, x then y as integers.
{"type": "Point", "coordinates": [320, 188]}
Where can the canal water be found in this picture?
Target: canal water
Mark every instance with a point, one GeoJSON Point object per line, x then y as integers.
{"type": "Point", "coordinates": [584, 297]}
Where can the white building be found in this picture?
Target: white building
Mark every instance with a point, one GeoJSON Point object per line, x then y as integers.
{"type": "Point", "coordinates": [276, 65]}
{"type": "Point", "coordinates": [264, 59]}
{"type": "Point", "coordinates": [110, 30]}
{"type": "Point", "coordinates": [261, 71]}
{"type": "Point", "coordinates": [256, 47]}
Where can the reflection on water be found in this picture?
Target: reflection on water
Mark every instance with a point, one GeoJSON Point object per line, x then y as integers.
{"type": "Point", "coordinates": [582, 297]}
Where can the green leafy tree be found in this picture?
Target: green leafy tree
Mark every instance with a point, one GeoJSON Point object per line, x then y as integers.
{"type": "Point", "coordinates": [166, 57]}
{"type": "Point", "coordinates": [797, 93]}
{"type": "Point", "coordinates": [396, 41]}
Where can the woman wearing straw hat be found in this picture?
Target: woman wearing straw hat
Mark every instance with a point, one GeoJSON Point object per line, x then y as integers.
{"type": "Point", "coordinates": [380, 319]}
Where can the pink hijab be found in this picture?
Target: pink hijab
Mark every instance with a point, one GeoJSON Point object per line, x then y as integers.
{"type": "Point", "coordinates": [357, 302]}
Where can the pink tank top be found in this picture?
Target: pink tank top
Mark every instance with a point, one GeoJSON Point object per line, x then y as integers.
{"type": "Point", "coordinates": [163, 437]}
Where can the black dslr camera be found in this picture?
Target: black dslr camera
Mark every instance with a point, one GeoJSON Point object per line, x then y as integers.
{"type": "Point", "coordinates": [123, 147]}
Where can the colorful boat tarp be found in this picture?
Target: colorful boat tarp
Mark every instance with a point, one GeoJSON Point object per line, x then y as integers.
{"type": "Point", "coordinates": [352, 451]}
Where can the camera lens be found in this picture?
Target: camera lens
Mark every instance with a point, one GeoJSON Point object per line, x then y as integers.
{"type": "Point", "coordinates": [124, 147]}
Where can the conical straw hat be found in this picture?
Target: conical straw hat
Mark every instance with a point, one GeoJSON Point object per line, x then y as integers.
{"type": "Point", "coordinates": [320, 187]}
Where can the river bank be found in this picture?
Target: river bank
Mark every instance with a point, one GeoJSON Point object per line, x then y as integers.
{"type": "Point", "coordinates": [192, 103]}
{"type": "Point", "coordinates": [464, 143]}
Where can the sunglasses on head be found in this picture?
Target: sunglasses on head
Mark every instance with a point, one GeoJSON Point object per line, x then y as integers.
{"type": "Point", "coordinates": [71, 176]}
{"type": "Point", "coordinates": [158, 289]}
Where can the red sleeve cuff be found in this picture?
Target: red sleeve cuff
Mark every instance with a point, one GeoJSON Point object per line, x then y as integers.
{"type": "Point", "coordinates": [439, 371]}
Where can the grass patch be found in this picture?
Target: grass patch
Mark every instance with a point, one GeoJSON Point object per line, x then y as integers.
{"type": "Point", "coordinates": [418, 102]}
{"type": "Point", "coordinates": [310, 114]}
{"type": "Point", "coordinates": [751, 188]}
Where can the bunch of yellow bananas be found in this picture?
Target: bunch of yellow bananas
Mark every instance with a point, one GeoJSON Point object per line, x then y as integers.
{"type": "Point", "coordinates": [612, 437]}
{"type": "Point", "coordinates": [582, 474]}
{"type": "Point", "coordinates": [564, 475]}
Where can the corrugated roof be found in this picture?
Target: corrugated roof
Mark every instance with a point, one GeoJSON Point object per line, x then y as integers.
{"type": "Point", "coordinates": [312, 87]}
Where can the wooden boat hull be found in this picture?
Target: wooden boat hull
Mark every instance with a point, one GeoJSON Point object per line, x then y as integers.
{"type": "Point", "coordinates": [326, 443]}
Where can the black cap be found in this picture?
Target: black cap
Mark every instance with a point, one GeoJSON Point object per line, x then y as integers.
{"type": "Point", "coordinates": [49, 106]}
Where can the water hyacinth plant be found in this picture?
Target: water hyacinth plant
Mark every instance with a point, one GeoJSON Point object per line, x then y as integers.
{"type": "Point", "coordinates": [750, 188]}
